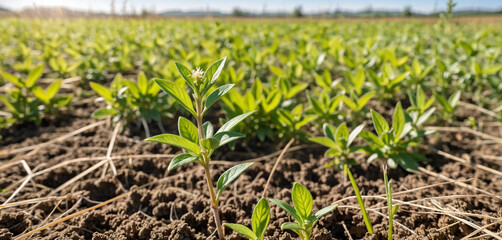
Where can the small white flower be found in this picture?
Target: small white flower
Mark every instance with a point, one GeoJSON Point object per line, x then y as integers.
{"type": "Point", "coordinates": [197, 75]}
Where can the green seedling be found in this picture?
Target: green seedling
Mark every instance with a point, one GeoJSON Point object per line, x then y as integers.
{"type": "Point", "coordinates": [130, 101]}
{"type": "Point", "coordinates": [200, 141]}
{"type": "Point", "coordinates": [391, 143]}
{"type": "Point", "coordinates": [59, 65]}
{"type": "Point", "coordinates": [302, 212]}
{"type": "Point", "coordinates": [388, 81]}
{"type": "Point", "coordinates": [418, 72]}
{"type": "Point", "coordinates": [29, 102]}
{"type": "Point", "coordinates": [259, 222]}
{"type": "Point", "coordinates": [392, 208]}
{"type": "Point", "coordinates": [449, 105]}
{"type": "Point", "coordinates": [266, 101]}
{"type": "Point", "coordinates": [419, 112]}
{"type": "Point", "coordinates": [339, 142]}
{"type": "Point", "coordinates": [292, 122]}
{"type": "Point", "coordinates": [357, 104]}
{"type": "Point", "coordinates": [324, 106]}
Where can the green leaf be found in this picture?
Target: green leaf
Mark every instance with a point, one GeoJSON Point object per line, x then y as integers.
{"type": "Point", "coordinates": [392, 162]}
{"type": "Point", "coordinates": [287, 208]}
{"type": "Point", "coordinates": [229, 176]}
{"type": "Point", "coordinates": [226, 137]}
{"type": "Point", "coordinates": [358, 80]}
{"type": "Point", "coordinates": [395, 208]}
{"type": "Point", "coordinates": [453, 100]}
{"type": "Point", "coordinates": [142, 83]}
{"type": "Point", "coordinates": [13, 79]}
{"type": "Point", "coordinates": [420, 98]}
{"type": "Point", "coordinates": [213, 72]}
{"type": "Point", "coordinates": [185, 74]}
{"type": "Point", "coordinates": [63, 101]}
{"type": "Point", "coordinates": [217, 94]}
{"type": "Point", "coordinates": [302, 200]}
{"type": "Point", "coordinates": [406, 162]}
{"type": "Point", "coordinates": [133, 88]}
{"type": "Point", "coordinates": [355, 133]}
{"type": "Point", "coordinates": [177, 93]}
{"type": "Point", "coordinates": [188, 130]}
{"type": "Point", "coordinates": [342, 132]}
{"type": "Point", "coordinates": [329, 131]}
{"type": "Point", "coordinates": [398, 121]}
{"type": "Point", "coordinates": [208, 129]}
{"type": "Point", "coordinates": [176, 141]}
{"type": "Point", "coordinates": [210, 144]}
{"type": "Point", "coordinates": [102, 91]}
{"type": "Point", "coordinates": [379, 122]}
{"type": "Point", "coordinates": [291, 226]}
{"type": "Point", "coordinates": [34, 75]}
{"type": "Point", "coordinates": [372, 138]}
{"type": "Point", "coordinates": [261, 218]}
{"type": "Point", "coordinates": [53, 89]}
{"type": "Point", "coordinates": [180, 160]}
{"type": "Point", "coordinates": [242, 230]}
{"type": "Point", "coordinates": [276, 70]}
{"type": "Point", "coordinates": [351, 104]}
{"type": "Point", "coordinates": [325, 142]}
{"type": "Point", "coordinates": [445, 104]}
{"type": "Point", "coordinates": [325, 211]}
{"type": "Point", "coordinates": [233, 122]}
{"type": "Point", "coordinates": [39, 93]}
{"type": "Point", "coordinates": [103, 112]}
{"type": "Point", "coordinates": [361, 102]}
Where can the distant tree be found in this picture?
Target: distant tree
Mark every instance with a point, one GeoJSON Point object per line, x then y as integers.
{"type": "Point", "coordinates": [407, 11]}
{"type": "Point", "coordinates": [236, 12]}
{"type": "Point", "coordinates": [297, 12]}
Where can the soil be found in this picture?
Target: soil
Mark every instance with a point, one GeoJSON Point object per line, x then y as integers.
{"type": "Point", "coordinates": [176, 205]}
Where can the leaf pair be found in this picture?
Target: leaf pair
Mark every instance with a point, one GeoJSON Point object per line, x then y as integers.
{"type": "Point", "coordinates": [450, 104]}
{"type": "Point", "coordinates": [302, 211]}
{"type": "Point", "coordinates": [30, 80]}
{"type": "Point", "coordinates": [339, 142]}
{"type": "Point", "coordinates": [259, 222]}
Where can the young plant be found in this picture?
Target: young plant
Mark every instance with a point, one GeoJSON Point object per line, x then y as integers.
{"type": "Point", "coordinates": [325, 107]}
{"type": "Point", "coordinates": [392, 208]}
{"type": "Point", "coordinates": [419, 112]}
{"type": "Point", "coordinates": [129, 101]}
{"type": "Point", "coordinates": [291, 123]}
{"type": "Point", "coordinates": [302, 212]}
{"type": "Point", "coordinates": [392, 143]}
{"type": "Point", "coordinates": [339, 141]}
{"type": "Point", "coordinates": [387, 82]}
{"type": "Point", "coordinates": [199, 141]}
{"type": "Point", "coordinates": [259, 222]}
{"type": "Point", "coordinates": [29, 102]}
{"type": "Point", "coordinates": [357, 104]}
{"type": "Point", "coordinates": [448, 105]}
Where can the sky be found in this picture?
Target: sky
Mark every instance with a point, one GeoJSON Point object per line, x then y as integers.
{"type": "Point", "coordinates": [423, 6]}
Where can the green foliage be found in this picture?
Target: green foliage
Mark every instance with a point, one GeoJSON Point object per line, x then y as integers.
{"type": "Point", "coordinates": [302, 212]}
{"type": "Point", "coordinates": [259, 222]}
{"type": "Point", "coordinates": [27, 101]}
{"type": "Point", "coordinates": [130, 101]}
{"type": "Point", "coordinates": [339, 142]}
{"type": "Point", "coordinates": [448, 105]}
{"type": "Point", "coordinates": [392, 144]}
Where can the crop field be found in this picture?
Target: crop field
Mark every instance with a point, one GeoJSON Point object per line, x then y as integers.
{"type": "Point", "coordinates": [250, 129]}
